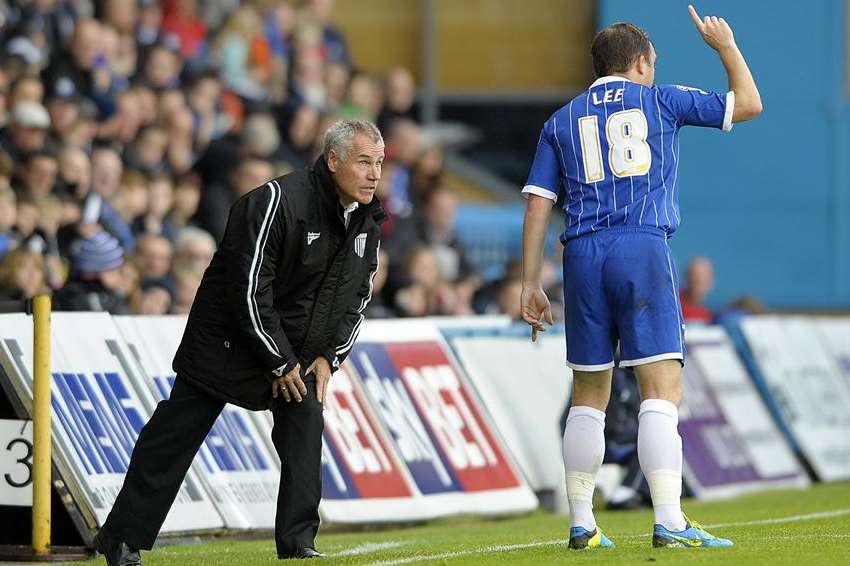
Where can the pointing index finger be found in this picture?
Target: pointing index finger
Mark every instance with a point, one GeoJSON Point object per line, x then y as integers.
{"type": "Point", "coordinates": [695, 17]}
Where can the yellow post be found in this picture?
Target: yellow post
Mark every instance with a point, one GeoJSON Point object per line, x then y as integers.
{"type": "Point", "coordinates": [41, 425]}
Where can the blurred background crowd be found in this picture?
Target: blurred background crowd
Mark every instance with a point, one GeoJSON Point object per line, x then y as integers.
{"type": "Point", "coordinates": [129, 127]}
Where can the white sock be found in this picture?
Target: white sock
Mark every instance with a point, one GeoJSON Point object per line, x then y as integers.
{"type": "Point", "coordinates": [584, 447]}
{"type": "Point", "coordinates": [660, 454]}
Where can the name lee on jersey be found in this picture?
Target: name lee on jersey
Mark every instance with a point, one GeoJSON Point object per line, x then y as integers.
{"type": "Point", "coordinates": [610, 96]}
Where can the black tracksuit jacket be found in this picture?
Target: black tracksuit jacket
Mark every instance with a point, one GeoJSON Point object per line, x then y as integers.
{"type": "Point", "coordinates": [288, 283]}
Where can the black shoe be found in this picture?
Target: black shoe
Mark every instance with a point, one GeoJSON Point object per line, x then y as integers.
{"type": "Point", "coordinates": [116, 552]}
{"type": "Point", "coordinates": [305, 552]}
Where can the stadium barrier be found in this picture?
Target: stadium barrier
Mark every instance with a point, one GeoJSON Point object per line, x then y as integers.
{"type": "Point", "coordinates": [525, 387]}
{"type": "Point", "coordinates": [428, 417]}
{"type": "Point", "coordinates": [406, 436]}
{"type": "Point", "coordinates": [99, 404]}
{"type": "Point", "coordinates": [802, 366]}
{"type": "Point", "coordinates": [28, 493]}
{"type": "Point", "coordinates": [731, 444]}
{"type": "Point", "coordinates": [236, 464]}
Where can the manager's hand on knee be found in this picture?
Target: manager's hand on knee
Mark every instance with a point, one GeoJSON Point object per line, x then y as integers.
{"type": "Point", "coordinates": [321, 367]}
{"type": "Point", "coordinates": [291, 386]}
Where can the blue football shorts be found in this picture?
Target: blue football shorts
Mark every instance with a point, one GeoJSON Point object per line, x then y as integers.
{"type": "Point", "coordinates": [620, 285]}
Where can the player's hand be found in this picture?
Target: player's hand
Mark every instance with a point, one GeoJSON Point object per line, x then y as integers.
{"type": "Point", "coordinates": [715, 31]}
{"type": "Point", "coordinates": [535, 309]}
{"type": "Point", "coordinates": [291, 386]}
{"type": "Point", "coordinates": [322, 368]}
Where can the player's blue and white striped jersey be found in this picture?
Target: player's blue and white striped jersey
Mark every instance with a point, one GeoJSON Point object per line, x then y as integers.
{"type": "Point", "coordinates": [612, 153]}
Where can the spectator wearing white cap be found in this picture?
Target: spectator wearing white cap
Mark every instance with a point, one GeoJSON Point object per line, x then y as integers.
{"type": "Point", "coordinates": [24, 48]}
{"type": "Point", "coordinates": [30, 114]}
{"type": "Point", "coordinates": [27, 130]}
{"type": "Point", "coordinates": [95, 276]}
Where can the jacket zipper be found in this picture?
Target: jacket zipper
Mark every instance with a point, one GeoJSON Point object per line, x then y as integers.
{"type": "Point", "coordinates": [322, 285]}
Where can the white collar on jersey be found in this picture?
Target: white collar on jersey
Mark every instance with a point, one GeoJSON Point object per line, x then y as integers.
{"type": "Point", "coordinates": [608, 79]}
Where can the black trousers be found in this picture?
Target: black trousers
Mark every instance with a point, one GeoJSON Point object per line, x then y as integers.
{"type": "Point", "coordinates": [169, 441]}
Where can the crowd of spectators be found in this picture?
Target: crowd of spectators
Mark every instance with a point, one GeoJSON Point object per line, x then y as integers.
{"type": "Point", "coordinates": [129, 127]}
{"type": "Point", "coordinates": [698, 285]}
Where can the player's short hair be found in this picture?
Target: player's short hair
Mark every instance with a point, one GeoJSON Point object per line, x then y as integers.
{"type": "Point", "coordinates": [341, 134]}
{"type": "Point", "coordinates": [616, 47]}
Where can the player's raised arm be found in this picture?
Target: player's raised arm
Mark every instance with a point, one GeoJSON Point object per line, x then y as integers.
{"type": "Point", "coordinates": [718, 35]}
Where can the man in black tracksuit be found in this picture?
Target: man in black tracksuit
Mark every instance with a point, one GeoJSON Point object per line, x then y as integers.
{"type": "Point", "coordinates": [278, 310]}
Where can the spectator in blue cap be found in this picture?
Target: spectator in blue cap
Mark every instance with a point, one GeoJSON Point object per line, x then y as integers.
{"type": "Point", "coordinates": [95, 276]}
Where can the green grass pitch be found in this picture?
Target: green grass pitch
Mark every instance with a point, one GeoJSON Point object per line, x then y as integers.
{"type": "Point", "coordinates": [798, 527]}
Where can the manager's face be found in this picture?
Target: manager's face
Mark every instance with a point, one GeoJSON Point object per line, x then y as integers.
{"type": "Point", "coordinates": [358, 171]}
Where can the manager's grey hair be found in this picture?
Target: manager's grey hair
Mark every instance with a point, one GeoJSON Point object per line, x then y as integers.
{"type": "Point", "coordinates": [339, 136]}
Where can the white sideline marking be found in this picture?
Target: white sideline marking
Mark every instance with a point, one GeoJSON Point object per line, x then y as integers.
{"type": "Point", "coordinates": [368, 547]}
{"type": "Point", "coordinates": [774, 521]}
{"type": "Point", "coordinates": [459, 553]}
{"type": "Point", "coordinates": [510, 547]}
{"type": "Point", "coordinates": [789, 519]}
{"type": "Point", "coordinates": [802, 537]}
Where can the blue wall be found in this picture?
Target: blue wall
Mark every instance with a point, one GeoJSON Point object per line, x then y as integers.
{"type": "Point", "coordinates": [769, 202]}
